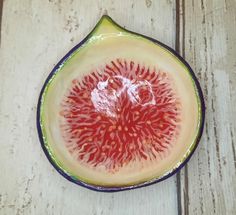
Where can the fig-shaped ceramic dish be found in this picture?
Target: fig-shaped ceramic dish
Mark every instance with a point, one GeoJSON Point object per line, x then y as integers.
{"type": "Point", "coordinates": [119, 111]}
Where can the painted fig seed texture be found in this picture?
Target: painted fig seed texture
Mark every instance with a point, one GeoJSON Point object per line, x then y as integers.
{"type": "Point", "coordinates": [123, 112]}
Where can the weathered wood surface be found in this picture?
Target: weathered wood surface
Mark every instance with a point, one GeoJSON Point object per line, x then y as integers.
{"type": "Point", "coordinates": [207, 39]}
{"type": "Point", "coordinates": [36, 34]}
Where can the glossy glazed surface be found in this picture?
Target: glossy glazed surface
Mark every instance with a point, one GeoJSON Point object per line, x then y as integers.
{"type": "Point", "coordinates": [120, 116]}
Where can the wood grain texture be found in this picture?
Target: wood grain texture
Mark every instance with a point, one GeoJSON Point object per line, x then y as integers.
{"type": "Point", "coordinates": [35, 35]}
{"type": "Point", "coordinates": [207, 40]}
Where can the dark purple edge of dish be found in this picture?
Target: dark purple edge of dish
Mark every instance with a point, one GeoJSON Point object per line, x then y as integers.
{"type": "Point", "coordinates": [116, 189]}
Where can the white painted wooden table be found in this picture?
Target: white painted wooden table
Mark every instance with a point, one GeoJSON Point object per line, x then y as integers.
{"type": "Point", "coordinates": [35, 34]}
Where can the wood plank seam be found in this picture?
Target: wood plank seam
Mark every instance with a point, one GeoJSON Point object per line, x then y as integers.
{"type": "Point", "coordinates": [1, 8]}
{"type": "Point", "coordinates": [180, 48]}
{"type": "Point", "coordinates": [177, 48]}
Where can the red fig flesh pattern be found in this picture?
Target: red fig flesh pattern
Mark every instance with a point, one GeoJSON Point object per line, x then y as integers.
{"type": "Point", "coordinates": [121, 113]}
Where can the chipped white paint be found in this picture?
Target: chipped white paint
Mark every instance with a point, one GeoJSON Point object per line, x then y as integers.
{"type": "Point", "coordinates": [35, 35]}
{"type": "Point", "coordinates": [208, 182]}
